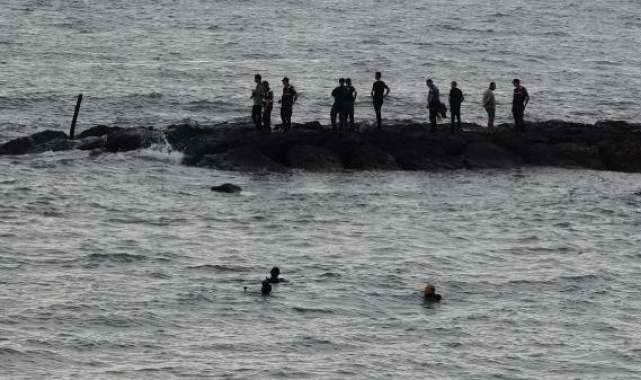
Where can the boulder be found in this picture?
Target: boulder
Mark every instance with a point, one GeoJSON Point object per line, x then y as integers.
{"type": "Point", "coordinates": [485, 155]}
{"type": "Point", "coordinates": [92, 142]}
{"type": "Point", "coordinates": [23, 144]}
{"type": "Point", "coordinates": [98, 130]}
{"type": "Point", "coordinates": [133, 139]}
{"type": "Point", "coordinates": [313, 158]}
{"type": "Point", "coordinates": [179, 134]}
{"type": "Point", "coordinates": [621, 156]}
{"type": "Point", "coordinates": [370, 157]}
{"type": "Point", "coordinates": [228, 188]}
{"type": "Point", "coordinates": [242, 159]}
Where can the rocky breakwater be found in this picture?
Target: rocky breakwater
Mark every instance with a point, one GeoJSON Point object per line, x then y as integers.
{"type": "Point", "coordinates": [608, 145]}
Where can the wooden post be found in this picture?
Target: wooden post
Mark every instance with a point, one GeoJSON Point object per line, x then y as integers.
{"type": "Point", "coordinates": [75, 117]}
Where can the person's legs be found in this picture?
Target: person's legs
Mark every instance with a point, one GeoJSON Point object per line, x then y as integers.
{"type": "Point", "coordinates": [332, 115]}
{"type": "Point", "coordinates": [287, 121]}
{"type": "Point", "coordinates": [378, 105]}
{"type": "Point", "coordinates": [433, 113]}
{"type": "Point", "coordinates": [350, 116]}
{"type": "Point", "coordinates": [518, 120]}
{"type": "Point", "coordinates": [256, 116]}
{"type": "Point", "coordinates": [342, 119]}
{"type": "Point", "coordinates": [490, 119]}
{"type": "Point", "coordinates": [267, 120]}
{"type": "Point", "coordinates": [455, 115]}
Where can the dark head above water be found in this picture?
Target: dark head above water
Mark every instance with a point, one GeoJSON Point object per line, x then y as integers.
{"type": "Point", "coordinates": [429, 293]}
{"type": "Point", "coordinates": [266, 288]}
{"type": "Point", "coordinates": [275, 272]}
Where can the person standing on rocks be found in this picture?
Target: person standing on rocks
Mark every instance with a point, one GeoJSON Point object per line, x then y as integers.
{"type": "Point", "coordinates": [519, 102]}
{"type": "Point", "coordinates": [489, 103]}
{"type": "Point", "coordinates": [338, 108]}
{"type": "Point", "coordinates": [349, 105]}
{"type": "Point", "coordinates": [433, 103]}
{"type": "Point", "coordinates": [257, 97]}
{"type": "Point", "coordinates": [268, 106]}
{"type": "Point", "coordinates": [456, 98]}
{"type": "Point", "coordinates": [287, 102]}
{"type": "Point", "coordinates": [379, 92]}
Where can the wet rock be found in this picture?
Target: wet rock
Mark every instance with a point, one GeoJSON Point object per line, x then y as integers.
{"type": "Point", "coordinates": [621, 156]}
{"type": "Point", "coordinates": [23, 144]}
{"type": "Point", "coordinates": [133, 139]}
{"type": "Point", "coordinates": [485, 155]}
{"type": "Point", "coordinates": [370, 157]}
{"type": "Point", "coordinates": [92, 142]}
{"type": "Point", "coordinates": [98, 130]}
{"type": "Point", "coordinates": [179, 134]}
{"type": "Point", "coordinates": [56, 145]}
{"type": "Point", "coordinates": [243, 159]}
{"type": "Point", "coordinates": [313, 158]}
{"type": "Point", "coordinates": [228, 188]}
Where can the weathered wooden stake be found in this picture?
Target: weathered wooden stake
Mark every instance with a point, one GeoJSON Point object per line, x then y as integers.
{"type": "Point", "coordinates": [75, 117]}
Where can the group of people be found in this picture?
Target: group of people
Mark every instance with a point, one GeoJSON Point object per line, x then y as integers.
{"type": "Point", "coordinates": [429, 292]}
{"type": "Point", "coordinates": [345, 96]}
{"type": "Point", "coordinates": [263, 98]}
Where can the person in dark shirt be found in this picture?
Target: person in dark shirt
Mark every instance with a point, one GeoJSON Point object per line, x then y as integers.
{"type": "Point", "coordinates": [519, 102]}
{"type": "Point", "coordinates": [339, 107]}
{"type": "Point", "coordinates": [266, 287]}
{"type": "Point", "coordinates": [379, 92]}
{"type": "Point", "coordinates": [287, 102]}
{"type": "Point", "coordinates": [456, 98]}
{"type": "Point", "coordinates": [349, 105]}
{"type": "Point", "coordinates": [274, 279]}
{"type": "Point", "coordinates": [429, 294]}
{"type": "Point", "coordinates": [257, 97]}
{"type": "Point", "coordinates": [433, 103]}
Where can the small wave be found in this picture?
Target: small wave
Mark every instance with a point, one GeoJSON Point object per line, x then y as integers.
{"type": "Point", "coordinates": [308, 310]}
{"type": "Point", "coordinates": [219, 268]}
{"type": "Point", "coordinates": [125, 258]}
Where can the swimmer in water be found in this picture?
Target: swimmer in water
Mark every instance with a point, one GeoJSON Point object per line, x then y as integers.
{"type": "Point", "coordinates": [429, 294]}
{"type": "Point", "coordinates": [275, 272]}
{"type": "Point", "coordinates": [266, 288]}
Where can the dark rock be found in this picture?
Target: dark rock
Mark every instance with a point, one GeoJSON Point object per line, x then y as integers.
{"type": "Point", "coordinates": [567, 155]}
{"type": "Point", "coordinates": [370, 157]}
{"type": "Point", "coordinates": [56, 145]}
{"type": "Point", "coordinates": [228, 188]}
{"type": "Point", "coordinates": [621, 156]}
{"type": "Point", "coordinates": [23, 144]}
{"type": "Point", "coordinates": [485, 155]}
{"type": "Point", "coordinates": [92, 142]}
{"type": "Point", "coordinates": [243, 159]}
{"type": "Point", "coordinates": [133, 139]}
{"type": "Point", "coordinates": [313, 126]}
{"type": "Point", "coordinates": [179, 134]}
{"type": "Point", "coordinates": [98, 130]}
{"type": "Point", "coordinates": [314, 158]}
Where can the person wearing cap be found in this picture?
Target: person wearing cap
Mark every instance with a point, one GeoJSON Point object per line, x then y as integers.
{"type": "Point", "coordinates": [429, 294]}
{"type": "Point", "coordinates": [287, 102]}
{"type": "Point", "coordinates": [519, 102]}
{"type": "Point", "coordinates": [257, 97]}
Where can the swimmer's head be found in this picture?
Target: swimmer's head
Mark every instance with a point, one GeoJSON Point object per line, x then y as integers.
{"type": "Point", "coordinates": [429, 289]}
{"type": "Point", "coordinates": [266, 288]}
{"type": "Point", "coordinates": [275, 271]}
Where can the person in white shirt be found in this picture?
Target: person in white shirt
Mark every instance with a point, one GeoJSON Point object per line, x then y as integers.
{"type": "Point", "coordinates": [489, 103]}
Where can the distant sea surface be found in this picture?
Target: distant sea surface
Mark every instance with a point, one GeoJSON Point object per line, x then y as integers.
{"type": "Point", "coordinates": [127, 266]}
{"type": "Point", "coordinates": [157, 62]}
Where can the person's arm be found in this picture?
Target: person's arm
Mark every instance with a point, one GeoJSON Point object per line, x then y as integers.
{"type": "Point", "coordinates": [387, 91]}
{"type": "Point", "coordinates": [462, 97]}
{"type": "Point", "coordinates": [355, 94]}
{"type": "Point", "coordinates": [527, 97]}
{"type": "Point", "coordinates": [372, 93]}
{"type": "Point", "coordinates": [295, 95]}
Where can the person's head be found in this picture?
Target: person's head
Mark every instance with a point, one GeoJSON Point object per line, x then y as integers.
{"type": "Point", "coordinates": [266, 84]}
{"type": "Point", "coordinates": [285, 81]}
{"type": "Point", "coordinates": [429, 83]}
{"type": "Point", "coordinates": [516, 82]}
{"type": "Point", "coordinates": [348, 81]}
{"type": "Point", "coordinates": [454, 84]}
{"type": "Point", "coordinates": [378, 75]}
{"type": "Point", "coordinates": [341, 81]}
{"type": "Point", "coordinates": [492, 86]}
{"type": "Point", "coordinates": [257, 78]}
{"type": "Point", "coordinates": [429, 290]}
{"type": "Point", "coordinates": [275, 272]}
{"type": "Point", "coordinates": [266, 288]}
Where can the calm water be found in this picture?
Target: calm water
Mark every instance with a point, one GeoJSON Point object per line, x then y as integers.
{"type": "Point", "coordinates": [127, 266]}
{"type": "Point", "coordinates": [156, 62]}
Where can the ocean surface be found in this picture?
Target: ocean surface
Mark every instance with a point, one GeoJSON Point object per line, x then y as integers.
{"type": "Point", "coordinates": [127, 266]}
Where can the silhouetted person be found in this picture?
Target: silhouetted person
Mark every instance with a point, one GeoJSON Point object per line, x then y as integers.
{"type": "Point", "coordinates": [519, 102]}
{"type": "Point", "coordinates": [433, 103]}
{"type": "Point", "coordinates": [429, 294]}
{"type": "Point", "coordinates": [268, 106]}
{"type": "Point", "coordinates": [339, 107]}
{"type": "Point", "coordinates": [266, 288]}
{"type": "Point", "coordinates": [349, 105]}
{"type": "Point", "coordinates": [379, 92]}
{"type": "Point", "coordinates": [257, 97]}
{"type": "Point", "coordinates": [275, 272]}
{"type": "Point", "coordinates": [456, 98]}
{"type": "Point", "coordinates": [287, 102]}
{"type": "Point", "coordinates": [489, 103]}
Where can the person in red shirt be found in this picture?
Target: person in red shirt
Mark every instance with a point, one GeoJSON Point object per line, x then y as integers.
{"type": "Point", "coordinates": [287, 104]}
{"type": "Point", "coordinates": [519, 102]}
